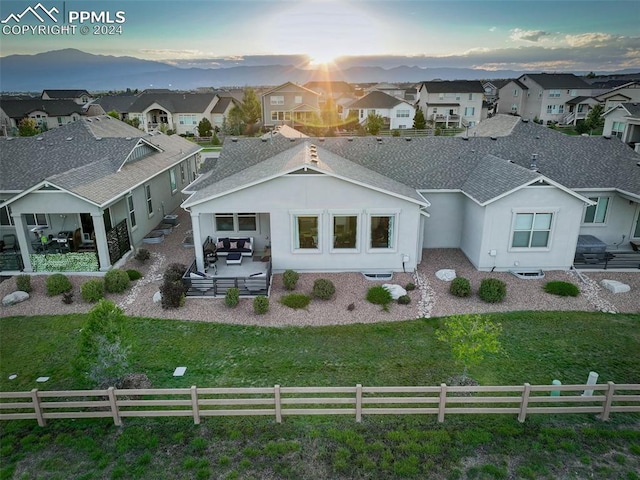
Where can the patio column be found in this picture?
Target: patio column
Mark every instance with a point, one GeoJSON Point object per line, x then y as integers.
{"type": "Point", "coordinates": [197, 242]}
{"type": "Point", "coordinates": [23, 241]}
{"type": "Point", "coordinates": [101, 241]}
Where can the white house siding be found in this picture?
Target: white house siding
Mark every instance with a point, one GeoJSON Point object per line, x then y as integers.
{"type": "Point", "coordinates": [617, 115]}
{"type": "Point", "coordinates": [443, 227]}
{"type": "Point", "coordinates": [321, 195]}
{"type": "Point", "coordinates": [473, 225]}
{"type": "Point", "coordinates": [511, 99]}
{"type": "Point", "coordinates": [619, 219]}
{"type": "Point", "coordinates": [401, 122]}
{"type": "Point", "coordinates": [497, 232]}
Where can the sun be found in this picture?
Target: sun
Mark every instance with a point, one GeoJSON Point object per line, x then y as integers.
{"type": "Point", "coordinates": [322, 59]}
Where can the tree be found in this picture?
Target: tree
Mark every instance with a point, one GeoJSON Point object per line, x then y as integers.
{"type": "Point", "coordinates": [374, 123]}
{"type": "Point", "coordinates": [103, 350]}
{"type": "Point", "coordinates": [251, 110]}
{"type": "Point", "coordinates": [134, 122]}
{"type": "Point", "coordinates": [114, 114]}
{"type": "Point", "coordinates": [28, 127]}
{"type": "Point", "coordinates": [204, 128]}
{"type": "Point", "coordinates": [470, 338]}
{"type": "Point", "coordinates": [329, 114]}
{"type": "Point", "coordinates": [594, 119]}
{"type": "Point", "coordinates": [215, 140]}
{"type": "Point", "coordinates": [419, 122]}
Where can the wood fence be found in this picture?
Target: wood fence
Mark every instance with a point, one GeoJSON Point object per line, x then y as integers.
{"type": "Point", "coordinates": [278, 402]}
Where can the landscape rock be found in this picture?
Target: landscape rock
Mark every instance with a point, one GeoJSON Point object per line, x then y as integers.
{"type": "Point", "coordinates": [396, 290]}
{"type": "Point", "coordinates": [15, 297]}
{"type": "Point", "coordinates": [446, 274]}
{"type": "Point", "coordinates": [157, 297]}
{"type": "Point", "coordinates": [615, 286]}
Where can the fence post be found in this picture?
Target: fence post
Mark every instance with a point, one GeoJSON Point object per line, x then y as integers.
{"type": "Point", "coordinates": [443, 402]}
{"type": "Point", "coordinates": [606, 409]}
{"type": "Point", "coordinates": [36, 407]}
{"type": "Point", "coordinates": [194, 405]}
{"type": "Point", "coordinates": [114, 406]}
{"type": "Point", "coordinates": [358, 403]}
{"type": "Point", "coordinates": [524, 402]}
{"type": "Point", "coordinates": [276, 397]}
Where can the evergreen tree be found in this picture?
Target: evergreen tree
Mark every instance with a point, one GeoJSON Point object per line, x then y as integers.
{"type": "Point", "coordinates": [594, 119]}
{"type": "Point", "coordinates": [374, 123]}
{"type": "Point", "coordinates": [204, 128]}
{"type": "Point", "coordinates": [419, 122]}
{"type": "Point", "coordinates": [28, 127]}
{"type": "Point", "coordinates": [251, 110]}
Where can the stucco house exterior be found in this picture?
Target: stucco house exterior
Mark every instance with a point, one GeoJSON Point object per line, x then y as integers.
{"type": "Point", "coordinates": [289, 104]}
{"type": "Point", "coordinates": [367, 204]}
{"type": "Point", "coordinates": [627, 93]}
{"type": "Point", "coordinates": [397, 113]}
{"type": "Point", "coordinates": [456, 103]}
{"type": "Point", "coordinates": [81, 97]}
{"type": "Point", "coordinates": [102, 184]}
{"type": "Point", "coordinates": [47, 114]}
{"type": "Point", "coordinates": [623, 121]}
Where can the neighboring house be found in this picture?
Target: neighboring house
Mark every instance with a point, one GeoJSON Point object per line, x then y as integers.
{"type": "Point", "coordinates": [397, 113]}
{"type": "Point", "coordinates": [47, 114]}
{"type": "Point", "coordinates": [222, 108]}
{"type": "Point", "coordinates": [627, 93]}
{"type": "Point", "coordinates": [81, 97]}
{"type": "Point", "coordinates": [289, 104]}
{"type": "Point", "coordinates": [544, 96]}
{"type": "Point", "coordinates": [579, 108]}
{"type": "Point", "coordinates": [97, 178]}
{"type": "Point", "coordinates": [455, 103]}
{"type": "Point", "coordinates": [510, 202]}
{"type": "Point", "coordinates": [623, 121]}
{"type": "Point", "coordinates": [115, 103]}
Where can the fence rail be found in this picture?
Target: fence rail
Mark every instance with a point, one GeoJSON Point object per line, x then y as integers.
{"type": "Point", "coordinates": [278, 402]}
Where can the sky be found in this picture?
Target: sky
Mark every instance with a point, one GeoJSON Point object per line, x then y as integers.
{"type": "Point", "coordinates": [540, 35]}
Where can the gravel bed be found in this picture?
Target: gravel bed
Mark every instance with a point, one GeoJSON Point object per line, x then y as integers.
{"type": "Point", "coordinates": [430, 299]}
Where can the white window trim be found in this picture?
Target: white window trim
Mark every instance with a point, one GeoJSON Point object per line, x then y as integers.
{"type": "Point", "coordinates": [606, 213]}
{"type": "Point", "coordinates": [345, 213]}
{"type": "Point", "coordinates": [173, 181]}
{"type": "Point", "coordinates": [293, 216]}
{"type": "Point", "coordinates": [236, 224]}
{"type": "Point", "coordinates": [514, 211]}
{"type": "Point", "coordinates": [148, 198]}
{"type": "Point", "coordinates": [130, 211]}
{"type": "Point", "coordinates": [35, 218]}
{"type": "Point", "coordinates": [381, 213]}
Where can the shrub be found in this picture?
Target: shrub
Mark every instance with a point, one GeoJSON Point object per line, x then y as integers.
{"type": "Point", "coordinates": [174, 272]}
{"type": "Point", "coordinates": [404, 299]}
{"type": "Point", "coordinates": [460, 287]}
{"type": "Point", "coordinates": [134, 275]}
{"type": "Point", "coordinates": [232, 297]}
{"type": "Point", "coordinates": [67, 297]}
{"type": "Point", "coordinates": [289, 279]}
{"type": "Point", "coordinates": [323, 289]}
{"type": "Point", "coordinates": [142, 255]}
{"type": "Point", "coordinates": [116, 281]}
{"type": "Point", "coordinates": [23, 283]}
{"type": "Point", "coordinates": [492, 290]}
{"type": "Point", "coordinates": [410, 286]}
{"type": "Point", "coordinates": [379, 295]}
{"type": "Point", "coordinates": [92, 290]}
{"type": "Point", "coordinates": [57, 284]}
{"type": "Point", "coordinates": [296, 300]}
{"type": "Point", "coordinates": [173, 294]}
{"type": "Point", "coordinates": [261, 305]}
{"type": "Point", "coordinates": [564, 289]}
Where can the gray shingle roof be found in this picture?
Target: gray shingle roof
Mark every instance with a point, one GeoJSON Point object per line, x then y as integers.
{"type": "Point", "coordinates": [376, 99]}
{"type": "Point", "coordinates": [557, 80]}
{"type": "Point", "coordinates": [19, 109]}
{"type": "Point", "coordinates": [174, 102]}
{"type": "Point", "coordinates": [222, 104]}
{"type": "Point", "coordinates": [119, 103]}
{"type": "Point", "coordinates": [454, 86]}
{"type": "Point", "coordinates": [633, 108]}
{"type": "Point", "coordinates": [65, 93]}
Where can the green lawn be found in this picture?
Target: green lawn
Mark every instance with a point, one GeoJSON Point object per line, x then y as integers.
{"type": "Point", "coordinates": [540, 347]}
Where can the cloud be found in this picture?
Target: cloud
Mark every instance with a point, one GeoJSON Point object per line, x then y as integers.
{"type": "Point", "coordinates": [528, 35]}
{"type": "Point", "coordinates": [586, 39]}
{"type": "Point", "coordinates": [493, 29]}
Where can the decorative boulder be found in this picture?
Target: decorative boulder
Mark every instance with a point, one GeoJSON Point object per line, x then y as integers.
{"type": "Point", "coordinates": [446, 274]}
{"type": "Point", "coordinates": [157, 297]}
{"type": "Point", "coordinates": [615, 286]}
{"type": "Point", "coordinates": [396, 291]}
{"type": "Point", "coordinates": [15, 297]}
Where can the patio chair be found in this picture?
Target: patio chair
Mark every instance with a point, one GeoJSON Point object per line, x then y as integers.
{"type": "Point", "coordinates": [10, 242]}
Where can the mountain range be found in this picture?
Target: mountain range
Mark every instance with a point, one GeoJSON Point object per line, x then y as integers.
{"type": "Point", "coordinates": [75, 69]}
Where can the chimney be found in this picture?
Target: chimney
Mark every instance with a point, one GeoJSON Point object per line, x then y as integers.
{"type": "Point", "coordinates": [534, 162]}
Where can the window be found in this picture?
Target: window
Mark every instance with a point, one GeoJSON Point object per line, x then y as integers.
{"type": "Point", "coordinates": [298, 99]}
{"type": "Point", "coordinates": [345, 231]}
{"type": "Point", "coordinates": [59, 121]}
{"type": "Point", "coordinates": [516, 92]}
{"type": "Point", "coordinates": [469, 111]}
{"type": "Point", "coordinates": [132, 211]}
{"type": "Point", "coordinates": [617, 129]}
{"type": "Point", "coordinates": [554, 93]}
{"type": "Point", "coordinates": [182, 173]}
{"type": "Point", "coordinates": [471, 96]}
{"type": "Point", "coordinates": [531, 230]}
{"type": "Point", "coordinates": [187, 120]}
{"type": "Point", "coordinates": [596, 213]}
{"type": "Point", "coordinates": [382, 231]}
{"type": "Point", "coordinates": [147, 190]}
{"type": "Point", "coordinates": [306, 235]}
{"type": "Point", "coordinates": [275, 115]}
{"type": "Point", "coordinates": [573, 93]}
{"type": "Point", "coordinates": [172, 180]}
{"type": "Point", "coordinates": [36, 219]}
{"type": "Point", "coordinates": [277, 99]}
{"type": "Point", "coordinates": [224, 222]}
{"type": "Point", "coordinates": [402, 114]}
{"type": "Point", "coordinates": [555, 109]}
{"type": "Point", "coordinates": [247, 222]}
{"type": "Point", "coordinates": [514, 107]}
{"type": "Point", "coordinates": [5, 216]}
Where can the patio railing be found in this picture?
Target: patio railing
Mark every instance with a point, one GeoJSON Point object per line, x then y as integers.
{"type": "Point", "coordinates": [608, 260]}
{"type": "Point", "coordinates": [217, 286]}
{"type": "Point", "coordinates": [11, 262]}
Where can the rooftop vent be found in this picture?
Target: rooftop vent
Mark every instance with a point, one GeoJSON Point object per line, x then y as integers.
{"type": "Point", "coordinates": [39, 138]}
{"type": "Point", "coordinates": [465, 138]}
{"type": "Point", "coordinates": [9, 138]}
{"type": "Point", "coordinates": [97, 119]}
{"type": "Point", "coordinates": [264, 140]}
{"type": "Point", "coordinates": [494, 138]}
{"type": "Point", "coordinates": [534, 162]}
{"type": "Point", "coordinates": [349, 139]}
{"type": "Point", "coordinates": [314, 157]}
{"type": "Point", "coordinates": [408, 139]}
{"type": "Point", "coordinates": [234, 139]}
{"type": "Point", "coordinates": [525, 120]}
{"type": "Point", "coordinates": [379, 139]}
{"type": "Point", "coordinates": [69, 139]}
{"type": "Point", "coordinates": [127, 138]}
{"type": "Point", "coordinates": [292, 139]}
{"type": "Point", "coordinates": [89, 120]}
{"type": "Point", "coordinates": [321, 139]}
{"type": "Point", "coordinates": [98, 138]}
{"type": "Point", "coordinates": [607, 137]}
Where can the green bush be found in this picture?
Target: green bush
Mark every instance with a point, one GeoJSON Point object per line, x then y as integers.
{"type": "Point", "coordinates": [23, 283]}
{"type": "Point", "coordinates": [379, 295]}
{"type": "Point", "coordinates": [564, 289]}
{"type": "Point", "coordinates": [460, 287]}
{"type": "Point", "coordinates": [142, 255]}
{"type": "Point", "coordinates": [289, 279]}
{"type": "Point", "coordinates": [57, 284]}
{"type": "Point", "coordinates": [232, 297]}
{"type": "Point", "coordinates": [261, 305]}
{"type": "Point", "coordinates": [173, 294]}
{"type": "Point", "coordinates": [174, 272]}
{"type": "Point", "coordinates": [492, 290]}
{"type": "Point", "coordinates": [92, 290]}
{"type": "Point", "coordinates": [116, 281]}
{"type": "Point", "coordinates": [134, 275]}
{"type": "Point", "coordinates": [404, 299]}
{"type": "Point", "coordinates": [296, 300]}
{"type": "Point", "coordinates": [323, 289]}
{"type": "Point", "coordinates": [410, 286]}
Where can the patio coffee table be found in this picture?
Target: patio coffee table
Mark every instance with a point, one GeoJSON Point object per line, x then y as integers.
{"type": "Point", "coordinates": [234, 259]}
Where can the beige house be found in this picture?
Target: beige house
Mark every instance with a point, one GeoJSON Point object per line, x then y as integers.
{"type": "Point", "coordinates": [289, 104]}
{"type": "Point", "coordinates": [455, 103]}
{"type": "Point", "coordinates": [627, 93]}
